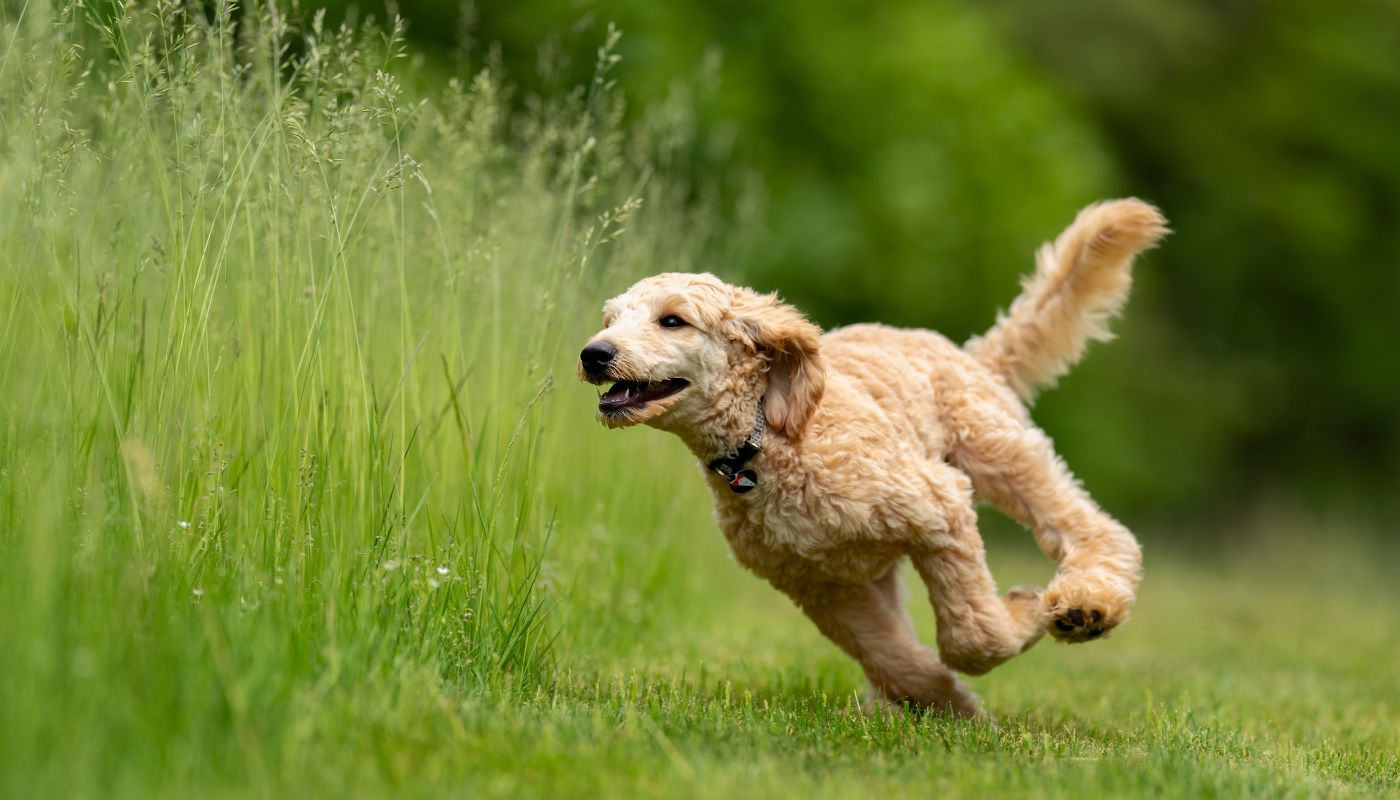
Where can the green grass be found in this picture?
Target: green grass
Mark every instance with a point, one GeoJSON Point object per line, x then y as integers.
{"type": "Point", "coordinates": [1231, 682]}
{"type": "Point", "coordinates": [298, 495]}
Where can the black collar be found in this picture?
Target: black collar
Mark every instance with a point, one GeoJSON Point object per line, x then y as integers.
{"type": "Point", "coordinates": [731, 466]}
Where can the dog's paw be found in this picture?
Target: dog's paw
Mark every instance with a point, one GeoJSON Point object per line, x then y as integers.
{"type": "Point", "coordinates": [1073, 625]}
{"type": "Point", "coordinates": [1083, 606]}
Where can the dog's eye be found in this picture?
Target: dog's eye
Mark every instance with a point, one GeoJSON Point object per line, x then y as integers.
{"type": "Point", "coordinates": [671, 321]}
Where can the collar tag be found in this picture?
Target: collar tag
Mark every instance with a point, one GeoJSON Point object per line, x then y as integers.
{"type": "Point", "coordinates": [743, 481]}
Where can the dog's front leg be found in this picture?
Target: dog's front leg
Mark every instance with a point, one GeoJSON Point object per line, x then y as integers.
{"type": "Point", "coordinates": [977, 628]}
{"type": "Point", "coordinates": [869, 622]}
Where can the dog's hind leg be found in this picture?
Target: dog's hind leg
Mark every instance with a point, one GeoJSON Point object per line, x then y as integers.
{"type": "Point", "coordinates": [869, 622]}
{"type": "Point", "coordinates": [1014, 466]}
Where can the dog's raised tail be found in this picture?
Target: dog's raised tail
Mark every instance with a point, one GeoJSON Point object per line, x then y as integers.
{"type": "Point", "coordinates": [1080, 282]}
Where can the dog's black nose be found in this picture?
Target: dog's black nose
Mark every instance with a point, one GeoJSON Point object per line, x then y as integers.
{"type": "Point", "coordinates": [597, 356]}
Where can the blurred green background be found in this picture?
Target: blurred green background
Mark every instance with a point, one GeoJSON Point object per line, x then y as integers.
{"type": "Point", "coordinates": [900, 161]}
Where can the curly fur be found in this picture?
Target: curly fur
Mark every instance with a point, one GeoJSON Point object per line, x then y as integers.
{"type": "Point", "coordinates": [881, 440]}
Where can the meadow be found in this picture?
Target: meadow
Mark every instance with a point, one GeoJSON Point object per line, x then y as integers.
{"type": "Point", "coordinates": [299, 495]}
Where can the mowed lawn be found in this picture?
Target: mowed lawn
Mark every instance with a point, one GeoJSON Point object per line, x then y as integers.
{"type": "Point", "coordinates": [1261, 673]}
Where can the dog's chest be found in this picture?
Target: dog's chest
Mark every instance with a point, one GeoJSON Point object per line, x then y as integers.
{"type": "Point", "coordinates": [779, 544]}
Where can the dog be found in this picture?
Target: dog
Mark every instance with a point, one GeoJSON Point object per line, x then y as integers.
{"type": "Point", "coordinates": [832, 457]}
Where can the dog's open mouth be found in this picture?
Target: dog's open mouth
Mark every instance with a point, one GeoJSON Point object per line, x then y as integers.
{"type": "Point", "coordinates": [633, 395]}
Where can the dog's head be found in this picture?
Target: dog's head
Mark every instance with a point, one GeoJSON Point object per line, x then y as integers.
{"type": "Point", "coordinates": [681, 349]}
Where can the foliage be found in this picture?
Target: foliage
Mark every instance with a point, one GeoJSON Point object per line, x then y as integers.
{"type": "Point", "coordinates": [1267, 130]}
{"type": "Point", "coordinates": [914, 153]}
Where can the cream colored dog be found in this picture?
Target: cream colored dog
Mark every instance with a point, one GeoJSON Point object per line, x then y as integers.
{"type": "Point", "coordinates": [833, 456]}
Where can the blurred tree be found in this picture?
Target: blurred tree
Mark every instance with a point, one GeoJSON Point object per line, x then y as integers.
{"type": "Point", "coordinates": [910, 159]}
{"type": "Point", "coordinates": [914, 152]}
{"type": "Point", "coordinates": [1269, 131]}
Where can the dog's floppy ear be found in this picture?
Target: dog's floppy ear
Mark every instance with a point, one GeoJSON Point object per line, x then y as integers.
{"type": "Point", "coordinates": [796, 375]}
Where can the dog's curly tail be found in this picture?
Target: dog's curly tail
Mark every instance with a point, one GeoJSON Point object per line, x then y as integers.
{"type": "Point", "coordinates": [1080, 282]}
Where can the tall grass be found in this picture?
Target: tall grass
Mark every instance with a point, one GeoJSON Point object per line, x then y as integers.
{"type": "Point", "coordinates": [279, 348]}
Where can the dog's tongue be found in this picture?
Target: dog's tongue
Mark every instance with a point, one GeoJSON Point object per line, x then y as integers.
{"type": "Point", "coordinates": [622, 390]}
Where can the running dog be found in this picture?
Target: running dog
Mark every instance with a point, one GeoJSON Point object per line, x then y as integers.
{"type": "Point", "coordinates": [834, 456]}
